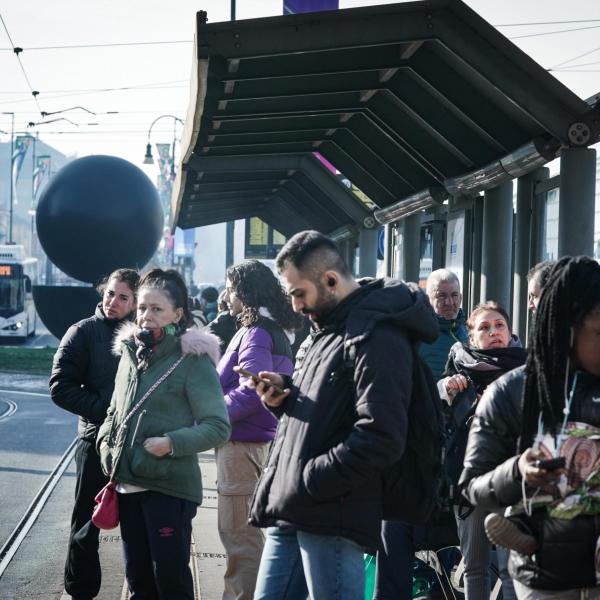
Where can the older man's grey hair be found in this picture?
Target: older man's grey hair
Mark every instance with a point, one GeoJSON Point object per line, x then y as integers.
{"type": "Point", "coordinates": [440, 276]}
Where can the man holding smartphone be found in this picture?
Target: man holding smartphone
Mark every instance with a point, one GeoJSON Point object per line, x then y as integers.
{"type": "Point", "coordinates": [341, 423]}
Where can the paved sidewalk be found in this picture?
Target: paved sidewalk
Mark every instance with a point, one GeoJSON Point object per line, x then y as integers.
{"type": "Point", "coordinates": [208, 550]}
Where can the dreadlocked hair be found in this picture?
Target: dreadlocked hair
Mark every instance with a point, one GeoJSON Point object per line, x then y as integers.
{"type": "Point", "coordinates": [256, 285]}
{"type": "Point", "coordinates": [571, 292]}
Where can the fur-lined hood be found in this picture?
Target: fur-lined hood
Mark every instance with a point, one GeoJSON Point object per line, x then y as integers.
{"type": "Point", "coordinates": [194, 342]}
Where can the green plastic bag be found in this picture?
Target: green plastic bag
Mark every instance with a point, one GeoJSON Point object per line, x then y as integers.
{"type": "Point", "coordinates": [420, 585]}
{"type": "Point", "coordinates": [370, 564]}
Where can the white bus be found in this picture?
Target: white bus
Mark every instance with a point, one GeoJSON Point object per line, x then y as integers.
{"type": "Point", "coordinates": [17, 276]}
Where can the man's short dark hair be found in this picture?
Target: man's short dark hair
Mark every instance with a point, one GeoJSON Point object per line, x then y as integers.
{"type": "Point", "coordinates": [312, 253]}
{"type": "Point", "coordinates": [210, 294]}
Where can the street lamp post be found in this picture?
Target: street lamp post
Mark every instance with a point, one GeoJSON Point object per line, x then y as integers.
{"type": "Point", "coordinates": [10, 174]}
{"type": "Point", "coordinates": [148, 158]}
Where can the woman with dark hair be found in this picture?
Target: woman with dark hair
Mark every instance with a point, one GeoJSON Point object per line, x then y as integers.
{"type": "Point", "coordinates": [149, 450]}
{"type": "Point", "coordinates": [547, 409]}
{"type": "Point", "coordinates": [82, 382]}
{"type": "Point", "coordinates": [492, 351]}
{"type": "Point", "coordinates": [263, 343]}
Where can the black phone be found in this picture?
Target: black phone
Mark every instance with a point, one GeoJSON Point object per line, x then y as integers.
{"type": "Point", "coordinates": [550, 464]}
{"type": "Point", "coordinates": [256, 379]}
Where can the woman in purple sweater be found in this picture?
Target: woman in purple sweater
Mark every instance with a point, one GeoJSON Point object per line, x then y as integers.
{"type": "Point", "coordinates": [263, 343]}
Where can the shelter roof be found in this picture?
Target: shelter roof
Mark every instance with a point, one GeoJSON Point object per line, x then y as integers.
{"type": "Point", "coordinates": [408, 101]}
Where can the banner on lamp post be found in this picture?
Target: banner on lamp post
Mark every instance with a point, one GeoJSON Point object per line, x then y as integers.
{"type": "Point", "coordinates": [22, 144]}
{"type": "Point", "coordinates": [41, 170]}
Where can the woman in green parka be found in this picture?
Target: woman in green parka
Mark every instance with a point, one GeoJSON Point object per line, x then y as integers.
{"type": "Point", "coordinates": [153, 455]}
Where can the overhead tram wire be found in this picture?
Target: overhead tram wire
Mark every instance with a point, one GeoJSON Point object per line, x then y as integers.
{"type": "Point", "coordinates": [106, 45]}
{"type": "Point", "coordinates": [548, 23]}
{"type": "Point", "coordinates": [101, 91]}
{"type": "Point", "coordinates": [162, 42]}
{"type": "Point", "coordinates": [150, 85]}
{"type": "Point", "coordinates": [574, 58]}
{"type": "Point", "coordinates": [540, 34]}
{"type": "Point", "coordinates": [17, 51]}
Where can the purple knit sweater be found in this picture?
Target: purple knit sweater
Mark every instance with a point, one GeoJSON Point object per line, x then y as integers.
{"type": "Point", "coordinates": [250, 420]}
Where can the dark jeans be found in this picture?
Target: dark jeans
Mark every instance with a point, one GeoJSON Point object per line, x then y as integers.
{"type": "Point", "coordinates": [82, 568]}
{"type": "Point", "coordinates": [395, 563]}
{"type": "Point", "coordinates": [157, 533]}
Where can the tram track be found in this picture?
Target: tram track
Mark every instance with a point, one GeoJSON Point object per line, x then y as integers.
{"type": "Point", "coordinates": [14, 540]}
{"type": "Point", "coordinates": [10, 411]}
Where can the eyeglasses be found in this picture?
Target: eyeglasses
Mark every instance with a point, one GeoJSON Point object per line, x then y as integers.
{"type": "Point", "coordinates": [455, 297]}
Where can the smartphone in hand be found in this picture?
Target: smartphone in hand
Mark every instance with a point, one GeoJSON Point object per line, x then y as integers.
{"type": "Point", "coordinates": [256, 379]}
{"type": "Point", "coordinates": [551, 464]}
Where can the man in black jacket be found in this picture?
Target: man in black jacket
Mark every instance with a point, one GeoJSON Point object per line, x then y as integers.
{"type": "Point", "coordinates": [343, 420]}
{"type": "Point", "coordinates": [82, 382]}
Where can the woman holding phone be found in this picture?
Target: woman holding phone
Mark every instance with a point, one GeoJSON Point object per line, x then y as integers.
{"type": "Point", "coordinates": [263, 343]}
{"type": "Point", "coordinates": [548, 409]}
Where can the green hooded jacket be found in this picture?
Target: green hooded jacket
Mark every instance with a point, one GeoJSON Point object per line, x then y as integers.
{"type": "Point", "coordinates": [188, 407]}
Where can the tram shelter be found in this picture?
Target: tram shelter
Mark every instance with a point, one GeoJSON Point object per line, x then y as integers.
{"type": "Point", "coordinates": [427, 110]}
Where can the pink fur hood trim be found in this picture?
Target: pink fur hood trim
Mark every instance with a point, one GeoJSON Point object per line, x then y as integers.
{"type": "Point", "coordinates": [193, 341]}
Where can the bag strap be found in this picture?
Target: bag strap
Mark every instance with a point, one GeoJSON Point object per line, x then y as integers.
{"type": "Point", "coordinates": [152, 388]}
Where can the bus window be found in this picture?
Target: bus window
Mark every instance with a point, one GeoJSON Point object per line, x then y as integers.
{"type": "Point", "coordinates": [11, 293]}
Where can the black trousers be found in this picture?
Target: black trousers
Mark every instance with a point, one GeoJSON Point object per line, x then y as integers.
{"type": "Point", "coordinates": [157, 534]}
{"type": "Point", "coordinates": [82, 568]}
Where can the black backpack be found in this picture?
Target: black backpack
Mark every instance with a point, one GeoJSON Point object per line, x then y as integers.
{"type": "Point", "coordinates": [416, 489]}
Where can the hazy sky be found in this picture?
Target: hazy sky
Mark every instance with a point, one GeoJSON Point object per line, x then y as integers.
{"type": "Point", "coordinates": [156, 76]}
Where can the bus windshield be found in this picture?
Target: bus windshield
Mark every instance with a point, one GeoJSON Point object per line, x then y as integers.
{"type": "Point", "coordinates": [11, 289]}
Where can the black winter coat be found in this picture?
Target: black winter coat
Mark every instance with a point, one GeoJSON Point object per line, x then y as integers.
{"type": "Point", "coordinates": [491, 479]}
{"type": "Point", "coordinates": [343, 424]}
{"type": "Point", "coordinates": [84, 370]}
{"type": "Point", "coordinates": [224, 326]}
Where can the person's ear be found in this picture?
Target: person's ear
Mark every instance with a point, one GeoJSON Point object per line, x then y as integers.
{"type": "Point", "coordinates": [330, 279]}
{"type": "Point", "coordinates": [178, 314]}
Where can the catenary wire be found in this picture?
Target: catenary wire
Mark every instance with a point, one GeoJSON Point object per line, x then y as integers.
{"type": "Point", "coordinates": [34, 94]}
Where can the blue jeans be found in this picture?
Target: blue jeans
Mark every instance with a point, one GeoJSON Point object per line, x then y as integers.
{"type": "Point", "coordinates": [296, 564]}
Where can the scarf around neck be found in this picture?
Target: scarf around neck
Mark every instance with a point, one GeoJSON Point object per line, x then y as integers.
{"type": "Point", "coordinates": [146, 341]}
{"type": "Point", "coordinates": [484, 366]}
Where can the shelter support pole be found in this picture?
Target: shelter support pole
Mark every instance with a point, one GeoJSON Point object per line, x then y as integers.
{"type": "Point", "coordinates": [347, 251]}
{"type": "Point", "coordinates": [411, 247]}
{"type": "Point", "coordinates": [497, 245]}
{"type": "Point", "coordinates": [439, 238]}
{"type": "Point", "coordinates": [476, 246]}
{"type": "Point", "coordinates": [576, 210]}
{"type": "Point", "coordinates": [388, 249]}
{"type": "Point", "coordinates": [367, 252]}
{"type": "Point", "coordinates": [524, 224]}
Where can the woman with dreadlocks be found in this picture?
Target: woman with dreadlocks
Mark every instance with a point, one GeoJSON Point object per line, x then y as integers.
{"type": "Point", "coordinates": [262, 343]}
{"type": "Point", "coordinates": [547, 410]}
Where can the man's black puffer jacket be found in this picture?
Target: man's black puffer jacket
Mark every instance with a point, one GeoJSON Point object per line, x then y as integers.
{"type": "Point", "coordinates": [84, 370]}
{"type": "Point", "coordinates": [340, 427]}
{"type": "Point", "coordinates": [491, 479]}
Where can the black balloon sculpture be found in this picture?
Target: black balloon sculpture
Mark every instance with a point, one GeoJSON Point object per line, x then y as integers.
{"type": "Point", "coordinates": [99, 213]}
